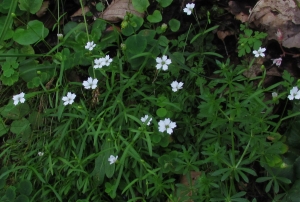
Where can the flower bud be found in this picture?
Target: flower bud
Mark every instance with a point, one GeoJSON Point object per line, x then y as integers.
{"type": "Point", "coordinates": [279, 35]}
{"type": "Point", "coordinates": [123, 46]}
{"type": "Point", "coordinates": [60, 36]}
{"type": "Point", "coordinates": [38, 72]}
{"type": "Point", "coordinates": [13, 15]}
{"type": "Point", "coordinates": [124, 24]}
{"type": "Point", "coordinates": [164, 27]}
{"type": "Point", "coordinates": [274, 94]}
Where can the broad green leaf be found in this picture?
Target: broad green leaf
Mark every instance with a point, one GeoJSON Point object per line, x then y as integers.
{"type": "Point", "coordinates": [164, 3]}
{"type": "Point", "coordinates": [36, 119]}
{"type": "Point", "coordinates": [31, 6]}
{"type": "Point", "coordinates": [100, 7]}
{"type": "Point", "coordinates": [140, 5]}
{"type": "Point", "coordinates": [9, 32]}
{"type": "Point", "coordinates": [155, 17]}
{"type": "Point", "coordinates": [165, 141]}
{"type": "Point", "coordinates": [22, 198]}
{"type": "Point", "coordinates": [129, 29]}
{"type": "Point", "coordinates": [27, 50]}
{"type": "Point", "coordinates": [21, 127]}
{"type": "Point", "coordinates": [3, 128]}
{"type": "Point", "coordinates": [174, 25]}
{"type": "Point", "coordinates": [136, 44]}
{"type": "Point", "coordinates": [161, 112]}
{"type": "Point", "coordinates": [25, 187]}
{"type": "Point", "coordinates": [9, 81]}
{"type": "Point", "coordinates": [10, 193]}
{"type": "Point", "coordinates": [33, 32]}
{"type": "Point", "coordinates": [163, 41]}
{"type": "Point", "coordinates": [162, 101]}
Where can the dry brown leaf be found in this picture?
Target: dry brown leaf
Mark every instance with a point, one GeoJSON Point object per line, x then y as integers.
{"type": "Point", "coordinates": [272, 15]}
{"type": "Point", "coordinates": [43, 9]}
{"type": "Point", "coordinates": [116, 11]}
{"type": "Point", "coordinates": [223, 34]}
{"type": "Point", "coordinates": [255, 69]}
{"type": "Point", "coordinates": [273, 72]}
{"type": "Point", "coordinates": [242, 17]}
{"type": "Point", "coordinates": [184, 180]}
{"type": "Point", "coordinates": [80, 12]}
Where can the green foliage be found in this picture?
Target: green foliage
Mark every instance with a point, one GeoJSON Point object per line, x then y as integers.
{"type": "Point", "coordinates": [223, 127]}
{"type": "Point", "coordinates": [164, 3]}
{"type": "Point", "coordinates": [247, 41]}
{"type": "Point", "coordinates": [174, 25]}
{"type": "Point", "coordinates": [31, 6]}
{"type": "Point", "coordinates": [34, 31]}
{"type": "Point", "coordinates": [140, 5]}
{"type": "Point", "coordinates": [155, 17]}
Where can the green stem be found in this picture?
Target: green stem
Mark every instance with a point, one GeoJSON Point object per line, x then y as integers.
{"type": "Point", "coordinates": [244, 153]}
{"type": "Point", "coordinates": [84, 18]}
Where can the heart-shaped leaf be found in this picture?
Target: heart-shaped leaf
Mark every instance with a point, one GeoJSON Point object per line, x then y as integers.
{"type": "Point", "coordinates": [155, 17]}
{"type": "Point", "coordinates": [34, 32]}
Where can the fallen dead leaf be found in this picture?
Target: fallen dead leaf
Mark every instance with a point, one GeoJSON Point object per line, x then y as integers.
{"type": "Point", "coordinates": [223, 34]}
{"type": "Point", "coordinates": [242, 17]}
{"type": "Point", "coordinates": [184, 180]}
{"type": "Point", "coordinates": [43, 9]}
{"type": "Point", "coordinates": [272, 15]}
{"type": "Point", "coordinates": [116, 11]}
{"type": "Point", "coordinates": [80, 12]}
{"type": "Point", "coordinates": [254, 70]}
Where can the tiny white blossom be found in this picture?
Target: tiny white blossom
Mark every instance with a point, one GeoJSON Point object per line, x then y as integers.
{"type": "Point", "coordinates": [274, 94]}
{"type": "Point", "coordinates": [90, 83]}
{"type": "Point", "coordinates": [176, 86]}
{"type": "Point", "coordinates": [189, 8]}
{"type": "Point", "coordinates": [60, 36]}
{"type": "Point", "coordinates": [112, 159]}
{"type": "Point", "coordinates": [41, 153]}
{"type": "Point", "coordinates": [106, 61]}
{"type": "Point", "coordinates": [294, 93]}
{"type": "Point", "coordinates": [277, 61]}
{"type": "Point", "coordinates": [166, 125]}
{"type": "Point", "coordinates": [90, 46]}
{"type": "Point", "coordinates": [98, 63]}
{"type": "Point", "coordinates": [145, 118]}
{"type": "Point", "coordinates": [163, 62]}
{"type": "Point", "coordinates": [69, 99]}
{"type": "Point", "coordinates": [19, 98]}
{"type": "Point", "coordinates": [259, 52]}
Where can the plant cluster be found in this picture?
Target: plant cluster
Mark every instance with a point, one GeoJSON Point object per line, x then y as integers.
{"type": "Point", "coordinates": [121, 115]}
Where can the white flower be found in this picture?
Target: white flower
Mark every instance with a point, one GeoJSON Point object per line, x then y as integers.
{"type": "Point", "coordinates": [146, 118]}
{"type": "Point", "coordinates": [274, 94]}
{"type": "Point", "coordinates": [189, 8]}
{"type": "Point", "coordinates": [98, 63]}
{"type": "Point", "coordinates": [69, 99]}
{"type": "Point", "coordinates": [106, 61]}
{"type": "Point", "coordinates": [90, 83]}
{"type": "Point", "coordinates": [19, 98]}
{"type": "Point", "coordinates": [90, 46]}
{"type": "Point", "coordinates": [259, 52]}
{"type": "Point", "coordinates": [40, 153]}
{"type": "Point", "coordinates": [60, 36]}
{"type": "Point", "coordinates": [112, 159]}
{"type": "Point", "coordinates": [163, 62]}
{"type": "Point", "coordinates": [277, 61]}
{"type": "Point", "coordinates": [176, 86]}
{"type": "Point", "coordinates": [166, 125]}
{"type": "Point", "coordinates": [294, 93]}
